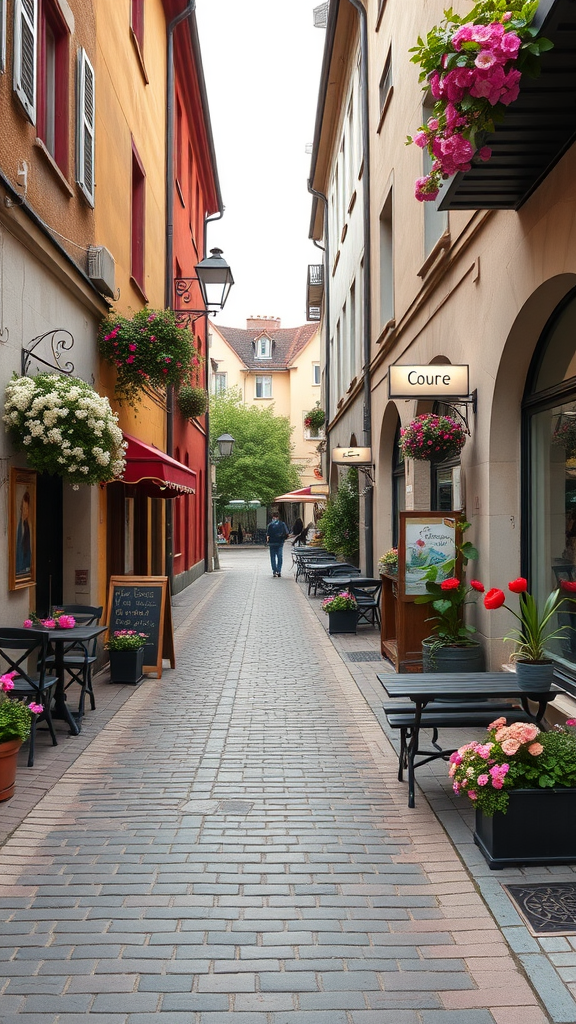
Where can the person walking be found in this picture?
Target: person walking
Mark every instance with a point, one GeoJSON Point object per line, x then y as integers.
{"type": "Point", "coordinates": [276, 533]}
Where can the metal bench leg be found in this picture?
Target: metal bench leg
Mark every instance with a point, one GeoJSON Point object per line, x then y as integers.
{"type": "Point", "coordinates": [402, 755]}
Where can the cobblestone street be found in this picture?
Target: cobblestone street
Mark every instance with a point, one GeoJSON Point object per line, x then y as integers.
{"type": "Point", "coordinates": [233, 846]}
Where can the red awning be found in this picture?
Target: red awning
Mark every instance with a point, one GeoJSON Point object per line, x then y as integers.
{"type": "Point", "coordinates": [157, 473]}
{"type": "Point", "coordinates": [313, 493]}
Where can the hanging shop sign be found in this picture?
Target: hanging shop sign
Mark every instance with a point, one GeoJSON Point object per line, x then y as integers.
{"type": "Point", "coordinates": [432, 381]}
{"type": "Point", "coordinates": [352, 456]}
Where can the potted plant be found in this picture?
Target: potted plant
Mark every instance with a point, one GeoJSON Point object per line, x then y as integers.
{"type": "Point", "coordinates": [523, 785]}
{"type": "Point", "coordinates": [58, 620]}
{"type": "Point", "coordinates": [342, 612]}
{"type": "Point", "coordinates": [388, 563]}
{"type": "Point", "coordinates": [534, 666]}
{"type": "Point", "coordinates": [451, 647]}
{"type": "Point", "coordinates": [126, 648]}
{"type": "Point", "coordinates": [64, 427]}
{"type": "Point", "coordinates": [338, 524]}
{"type": "Point", "coordinates": [472, 65]}
{"type": "Point", "coordinates": [315, 419]}
{"type": "Point", "coordinates": [149, 351]}
{"type": "Point", "coordinates": [192, 401]}
{"type": "Point", "coordinates": [15, 724]}
{"type": "Point", "coordinates": [432, 438]}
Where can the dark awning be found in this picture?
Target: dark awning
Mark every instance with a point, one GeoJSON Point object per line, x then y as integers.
{"type": "Point", "coordinates": [537, 130]}
{"type": "Point", "coordinates": [157, 473]}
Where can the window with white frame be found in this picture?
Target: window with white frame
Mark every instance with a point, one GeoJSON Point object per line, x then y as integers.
{"type": "Point", "coordinates": [312, 433]}
{"type": "Point", "coordinates": [263, 348]}
{"type": "Point", "coordinates": [263, 387]}
{"type": "Point", "coordinates": [219, 382]}
{"type": "Point", "coordinates": [385, 86]}
{"type": "Point", "coordinates": [316, 379]}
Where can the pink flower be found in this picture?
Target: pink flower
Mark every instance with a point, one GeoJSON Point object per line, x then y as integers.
{"type": "Point", "coordinates": [421, 139]}
{"type": "Point", "coordinates": [571, 721]}
{"type": "Point", "coordinates": [433, 124]}
{"type": "Point", "coordinates": [462, 35]}
{"type": "Point", "coordinates": [27, 623]}
{"type": "Point", "coordinates": [472, 794]}
{"type": "Point", "coordinates": [6, 684]}
{"type": "Point", "coordinates": [510, 746]}
{"type": "Point", "coordinates": [456, 758]}
{"type": "Point", "coordinates": [481, 33]}
{"type": "Point", "coordinates": [483, 750]}
{"type": "Point", "coordinates": [49, 623]}
{"type": "Point", "coordinates": [485, 60]}
{"type": "Point", "coordinates": [509, 45]}
{"type": "Point", "coordinates": [36, 709]}
{"type": "Point", "coordinates": [483, 779]}
{"type": "Point", "coordinates": [132, 346]}
{"type": "Point", "coordinates": [485, 153]}
{"type": "Point", "coordinates": [130, 359]}
{"type": "Point", "coordinates": [535, 749]}
{"type": "Point", "coordinates": [67, 622]}
{"type": "Point", "coordinates": [435, 85]}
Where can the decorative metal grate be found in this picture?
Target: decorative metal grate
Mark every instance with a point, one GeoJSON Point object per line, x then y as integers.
{"type": "Point", "coordinates": [548, 909]}
{"type": "Point", "coordinates": [363, 656]}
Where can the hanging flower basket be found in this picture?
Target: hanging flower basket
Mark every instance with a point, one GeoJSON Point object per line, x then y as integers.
{"type": "Point", "coordinates": [65, 427]}
{"type": "Point", "coordinates": [192, 401]}
{"type": "Point", "coordinates": [564, 435]}
{"type": "Point", "coordinates": [149, 351]}
{"type": "Point", "coordinates": [315, 419]}
{"type": "Point", "coordinates": [432, 438]}
{"type": "Point", "coordinates": [473, 67]}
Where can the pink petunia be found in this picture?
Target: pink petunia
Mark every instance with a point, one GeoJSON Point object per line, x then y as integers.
{"type": "Point", "coordinates": [36, 709]}
{"type": "Point", "coordinates": [483, 779]}
{"type": "Point", "coordinates": [27, 623]}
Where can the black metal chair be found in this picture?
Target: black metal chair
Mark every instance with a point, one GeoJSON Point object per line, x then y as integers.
{"type": "Point", "coordinates": [19, 648]}
{"type": "Point", "coordinates": [79, 657]}
{"type": "Point", "coordinates": [368, 600]}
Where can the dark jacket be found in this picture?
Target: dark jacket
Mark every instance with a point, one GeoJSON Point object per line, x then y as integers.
{"type": "Point", "coordinates": [276, 531]}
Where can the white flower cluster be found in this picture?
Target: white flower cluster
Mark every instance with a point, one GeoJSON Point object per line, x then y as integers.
{"type": "Point", "coordinates": [57, 419]}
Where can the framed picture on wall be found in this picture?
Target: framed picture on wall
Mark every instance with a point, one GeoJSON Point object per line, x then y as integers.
{"type": "Point", "coordinates": [426, 539]}
{"type": "Point", "coordinates": [22, 529]}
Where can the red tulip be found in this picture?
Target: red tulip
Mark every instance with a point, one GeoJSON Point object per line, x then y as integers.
{"type": "Point", "coordinates": [568, 585]}
{"type": "Point", "coordinates": [519, 586]}
{"type": "Point", "coordinates": [476, 585]}
{"type": "Point", "coordinates": [450, 584]}
{"type": "Point", "coordinates": [494, 599]}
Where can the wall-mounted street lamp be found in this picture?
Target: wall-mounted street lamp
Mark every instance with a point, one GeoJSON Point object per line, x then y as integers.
{"type": "Point", "coordinates": [225, 445]}
{"type": "Point", "coordinates": [214, 279]}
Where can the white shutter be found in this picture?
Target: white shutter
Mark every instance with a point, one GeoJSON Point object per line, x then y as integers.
{"type": "Point", "coordinates": [85, 115]}
{"type": "Point", "coordinates": [25, 51]}
{"type": "Point", "coordinates": [2, 35]}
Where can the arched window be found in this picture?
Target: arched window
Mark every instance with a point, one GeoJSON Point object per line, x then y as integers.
{"type": "Point", "coordinates": [549, 468]}
{"type": "Point", "coordinates": [445, 476]}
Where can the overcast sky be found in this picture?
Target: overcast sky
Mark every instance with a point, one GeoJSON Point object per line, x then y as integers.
{"type": "Point", "coordinates": [262, 62]}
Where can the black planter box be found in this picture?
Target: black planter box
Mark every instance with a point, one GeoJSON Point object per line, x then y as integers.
{"type": "Point", "coordinates": [126, 666]}
{"type": "Point", "coordinates": [342, 622]}
{"type": "Point", "coordinates": [538, 828]}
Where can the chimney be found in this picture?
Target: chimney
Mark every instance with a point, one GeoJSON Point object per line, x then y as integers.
{"type": "Point", "coordinates": [257, 324]}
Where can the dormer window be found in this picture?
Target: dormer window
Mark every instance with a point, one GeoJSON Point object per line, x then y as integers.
{"type": "Point", "coordinates": [263, 348]}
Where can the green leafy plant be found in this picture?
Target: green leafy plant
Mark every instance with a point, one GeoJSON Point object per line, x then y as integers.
{"type": "Point", "coordinates": [432, 438]}
{"type": "Point", "coordinates": [536, 629]}
{"type": "Point", "coordinates": [65, 427]}
{"type": "Point", "coordinates": [473, 66]}
{"type": "Point", "coordinates": [339, 521]}
{"type": "Point", "coordinates": [316, 418]}
{"type": "Point", "coordinates": [126, 640]}
{"type": "Point", "coordinates": [516, 756]}
{"type": "Point", "coordinates": [192, 401]}
{"type": "Point", "coordinates": [388, 562]}
{"type": "Point", "coordinates": [342, 602]}
{"type": "Point", "coordinates": [15, 715]}
{"type": "Point", "coordinates": [449, 597]}
{"type": "Point", "coordinates": [150, 350]}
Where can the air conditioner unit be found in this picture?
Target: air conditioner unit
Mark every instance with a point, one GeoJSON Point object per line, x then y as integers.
{"type": "Point", "coordinates": [320, 15]}
{"type": "Point", "coordinates": [101, 269]}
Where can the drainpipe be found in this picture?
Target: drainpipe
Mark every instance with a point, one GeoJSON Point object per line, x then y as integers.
{"type": "Point", "coordinates": [169, 258]}
{"type": "Point", "coordinates": [326, 250]}
{"type": "Point", "coordinates": [367, 296]}
{"type": "Point", "coordinates": [210, 517]}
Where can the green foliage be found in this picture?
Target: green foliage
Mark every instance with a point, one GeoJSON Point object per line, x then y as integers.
{"type": "Point", "coordinates": [260, 466]}
{"type": "Point", "coordinates": [192, 401]}
{"type": "Point", "coordinates": [342, 602]}
{"type": "Point", "coordinates": [15, 719]}
{"type": "Point", "coordinates": [339, 523]}
{"type": "Point", "coordinates": [316, 418]}
{"type": "Point", "coordinates": [535, 633]}
{"type": "Point", "coordinates": [148, 350]}
{"type": "Point", "coordinates": [65, 427]}
{"type": "Point", "coordinates": [126, 640]}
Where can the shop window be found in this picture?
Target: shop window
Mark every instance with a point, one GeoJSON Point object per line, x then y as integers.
{"type": "Point", "coordinates": [549, 471]}
{"type": "Point", "coordinates": [263, 387]}
{"type": "Point", "coordinates": [138, 220]}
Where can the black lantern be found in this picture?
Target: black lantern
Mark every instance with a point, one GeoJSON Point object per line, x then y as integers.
{"type": "Point", "coordinates": [225, 445]}
{"type": "Point", "coordinates": [215, 279]}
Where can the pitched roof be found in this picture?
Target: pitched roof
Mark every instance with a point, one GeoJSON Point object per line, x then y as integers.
{"type": "Point", "coordinates": [287, 343]}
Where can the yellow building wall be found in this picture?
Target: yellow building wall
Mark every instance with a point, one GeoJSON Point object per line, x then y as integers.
{"type": "Point", "coordinates": [130, 110]}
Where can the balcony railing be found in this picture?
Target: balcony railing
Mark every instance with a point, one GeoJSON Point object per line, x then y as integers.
{"type": "Point", "coordinates": [537, 130]}
{"type": "Point", "coordinates": [314, 292]}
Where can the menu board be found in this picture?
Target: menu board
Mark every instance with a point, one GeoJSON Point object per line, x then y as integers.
{"type": "Point", "coordinates": [426, 539]}
{"type": "Point", "coordinates": [142, 603]}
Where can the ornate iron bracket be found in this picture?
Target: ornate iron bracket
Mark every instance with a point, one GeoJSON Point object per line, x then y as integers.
{"type": "Point", "coordinates": [470, 401]}
{"type": "Point", "coordinates": [60, 341]}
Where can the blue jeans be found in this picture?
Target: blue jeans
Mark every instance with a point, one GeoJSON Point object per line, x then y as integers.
{"type": "Point", "coordinates": [276, 556]}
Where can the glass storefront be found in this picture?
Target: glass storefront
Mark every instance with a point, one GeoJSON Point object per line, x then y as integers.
{"type": "Point", "coordinates": [551, 515]}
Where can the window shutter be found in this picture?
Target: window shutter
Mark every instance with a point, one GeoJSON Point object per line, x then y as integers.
{"type": "Point", "coordinates": [2, 35]}
{"type": "Point", "coordinates": [25, 51]}
{"type": "Point", "coordinates": [85, 127]}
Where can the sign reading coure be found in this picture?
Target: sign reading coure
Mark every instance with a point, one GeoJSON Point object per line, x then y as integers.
{"type": "Point", "coordinates": [433, 381]}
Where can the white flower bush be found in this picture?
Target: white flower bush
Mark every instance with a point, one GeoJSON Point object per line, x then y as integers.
{"type": "Point", "coordinates": [65, 427]}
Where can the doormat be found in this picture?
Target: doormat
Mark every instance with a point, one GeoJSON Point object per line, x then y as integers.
{"type": "Point", "coordinates": [363, 656]}
{"type": "Point", "coordinates": [548, 909]}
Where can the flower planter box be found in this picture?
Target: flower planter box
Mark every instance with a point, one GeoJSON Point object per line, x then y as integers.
{"type": "Point", "coordinates": [452, 659]}
{"type": "Point", "coordinates": [538, 828]}
{"type": "Point", "coordinates": [126, 666]}
{"type": "Point", "coordinates": [342, 622]}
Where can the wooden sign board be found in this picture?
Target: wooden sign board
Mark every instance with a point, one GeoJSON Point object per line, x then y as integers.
{"type": "Point", "coordinates": [143, 603]}
{"type": "Point", "coordinates": [426, 539]}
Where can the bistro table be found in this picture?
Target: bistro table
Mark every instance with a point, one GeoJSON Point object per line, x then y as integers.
{"type": "Point", "coordinates": [60, 639]}
{"type": "Point", "coordinates": [421, 688]}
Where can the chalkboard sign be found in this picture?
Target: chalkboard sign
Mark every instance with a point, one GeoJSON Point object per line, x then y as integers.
{"type": "Point", "coordinates": [142, 603]}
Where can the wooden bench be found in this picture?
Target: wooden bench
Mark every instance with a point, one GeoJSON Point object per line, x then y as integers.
{"type": "Point", "coordinates": [445, 715]}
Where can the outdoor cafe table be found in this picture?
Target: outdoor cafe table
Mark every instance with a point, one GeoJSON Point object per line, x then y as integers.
{"type": "Point", "coordinates": [421, 688]}
{"type": "Point", "coordinates": [60, 639]}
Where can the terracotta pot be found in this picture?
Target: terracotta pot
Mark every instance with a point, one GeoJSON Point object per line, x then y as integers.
{"type": "Point", "coordinates": [8, 761]}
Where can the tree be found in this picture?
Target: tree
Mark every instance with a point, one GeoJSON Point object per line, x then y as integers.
{"type": "Point", "coordinates": [339, 523]}
{"type": "Point", "coordinates": [260, 465]}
